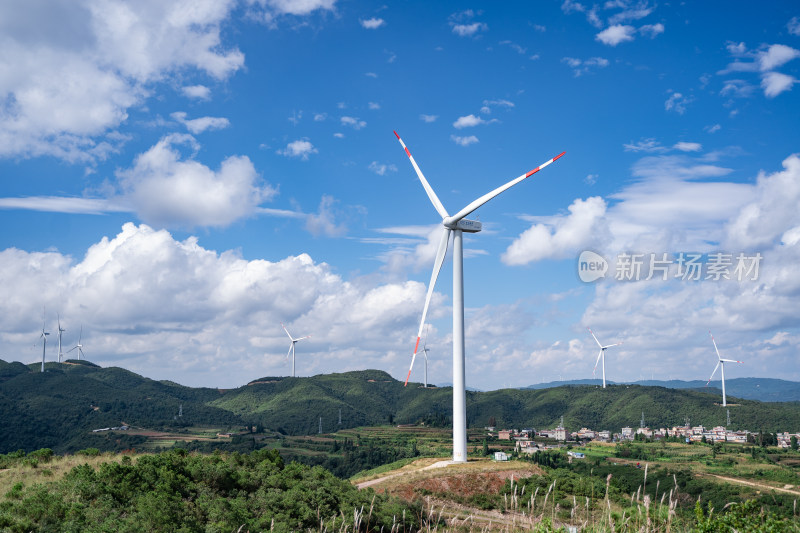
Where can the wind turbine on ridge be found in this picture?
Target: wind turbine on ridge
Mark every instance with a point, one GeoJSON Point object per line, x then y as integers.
{"type": "Point", "coordinates": [60, 331]}
{"type": "Point", "coordinates": [79, 346]}
{"type": "Point", "coordinates": [456, 224]}
{"type": "Point", "coordinates": [425, 351]}
{"type": "Point", "coordinates": [43, 336]}
{"type": "Point", "coordinates": [291, 348]}
{"type": "Point", "coordinates": [721, 365]}
{"type": "Point", "coordinates": [601, 355]}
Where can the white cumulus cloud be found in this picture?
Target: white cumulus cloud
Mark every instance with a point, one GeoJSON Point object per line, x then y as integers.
{"type": "Point", "coordinates": [464, 141]}
{"type": "Point", "coordinates": [372, 23]}
{"type": "Point", "coordinates": [164, 308]}
{"type": "Point", "coordinates": [301, 148]}
{"type": "Point", "coordinates": [688, 146]}
{"type": "Point", "coordinates": [72, 89]}
{"type": "Point", "coordinates": [774, 83]}
{"type": "Point", "coordinates": [199, 125]}
{"type": "Point", "coordinates": [614, 35]}
{"type": "Point", "coordinates": [560, 236]}
{"type": "Point", "coordinates": [167, 190]}
{"type": "Point", "coordinates": [353, 122]}
{"type": "Point", "coordinates": [776, 55]}
{"type": "Point", "coordinates": [468, 122]}
{"type": "Point", "coordinates": [468, 30]}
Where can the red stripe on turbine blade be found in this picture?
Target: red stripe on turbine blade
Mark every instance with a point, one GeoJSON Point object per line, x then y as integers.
{"type": "Point", "coordinates": [396, 135]}
{"type": "Point", "coordinates": [559, 155]}
{"type": "Point", "coordinates": [407, 378]}
{"type": "Point", "coordinates": [416, 346]}
{"type": "Point", "coordinates": [407, 152]}
{"type": "Point", "coordinates": [532, 172]}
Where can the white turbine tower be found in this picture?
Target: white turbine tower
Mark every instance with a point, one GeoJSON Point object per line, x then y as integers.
{"type": "Point", "coordinates": [291, 348]}
{"type": "Point", "coordinates": [60, 331]}
{"type": "Point", "coordinates": [43, 336]}
{"type": "Point", "coordinates": [601, 355]}
{"type": "Point", "coordinates": [456, 224]}
{"type": "Point", "coordinates": [721, 365]}
{"type": "Point", "coordinates": [79, 346]}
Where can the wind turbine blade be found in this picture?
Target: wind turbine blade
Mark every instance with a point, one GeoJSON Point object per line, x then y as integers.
{"type": "Point", "coordinates": [715, 346]}
{"type": "Point", "coordinates": [287, 332]}
{"type": "Point", "coordinates": [488, 196]}
{"type": "Point", "coordinates": [714, 372]}
{"type": "Point", "coordinates": [301, 338]}
{"type": "Point", "coordinates": [610, 345]}
{"type": "Point", "coordinates": [290, 351]}
{"type": "Point", "coordinates": [72, 349]}
{"type": "Point", "coordinates": [597, 362]}
{"type": "Point", "coordinates": [437, 266]}
{"type": "Point", "coordinates": [731, 361]}
{"type": "Point", "coordinates": [428, 189]}
{"type": "Point", "coordinates": [595, 338]}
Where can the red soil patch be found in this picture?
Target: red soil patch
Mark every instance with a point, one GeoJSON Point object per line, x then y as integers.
{"type": "Point", "coordinates": [465, 484]}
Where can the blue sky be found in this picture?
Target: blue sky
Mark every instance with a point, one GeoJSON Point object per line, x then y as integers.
{"type": "Point", "coordinates": [180, 178]}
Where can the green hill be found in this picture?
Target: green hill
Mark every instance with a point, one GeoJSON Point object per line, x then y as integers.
{"type": "Point", "coordinates": [294, 405]}
{"type": "Point", "coordinates": [761, 389]}
{"type": "Point", "coordinates": [59, 408]}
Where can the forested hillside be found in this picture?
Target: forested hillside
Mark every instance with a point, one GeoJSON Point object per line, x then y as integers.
{"type": "Point", "coordinates": [59, 408]}
{"type": "Point", "coordinates": [761, 389]}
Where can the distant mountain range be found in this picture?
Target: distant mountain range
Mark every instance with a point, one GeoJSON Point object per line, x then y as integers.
{"type": "Point", "coordinates": [761, 389]}
{"type": "Point", "coordinates": [59, 408]}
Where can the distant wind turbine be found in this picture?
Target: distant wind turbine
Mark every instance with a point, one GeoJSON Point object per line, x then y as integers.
{"type": "Point", "coordinates": [425, 351]}
{"type": "Point", "coordinates": [721, 365]}
{"type": "Point", "coordinates": [43, 336]}
{"type": "Point", "coordinates": [60, 331]}
{"type": "Point", "coordinates": [79, 346]}
{"type": "Point", "coordinates": [456, 224]}
{"type": "Point", "coordinates": [601, 355]}
{"type": "Point", "coordinates": [291, 348]}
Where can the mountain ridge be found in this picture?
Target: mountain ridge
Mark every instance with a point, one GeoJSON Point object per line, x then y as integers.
{"type": "Point", "coordinates": [59, 408]}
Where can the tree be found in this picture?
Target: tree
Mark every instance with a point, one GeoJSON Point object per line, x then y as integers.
{"type": "Point", "coordinates": [793, 442]}
{"type": "Point", "coordinates": [485, 447]}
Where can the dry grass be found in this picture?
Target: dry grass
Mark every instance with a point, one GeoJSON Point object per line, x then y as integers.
{"type": "Point", "coordinates": [53, 470]}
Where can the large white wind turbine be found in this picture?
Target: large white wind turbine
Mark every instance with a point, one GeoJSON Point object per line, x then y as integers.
{"type": "Point", "coordinates": [291, 348]}
{"type": "Point", "coordinates": [456, 224]}
{"type": "Point", "coordinates": [601, 355]}
{"type": "Point", "coordinates": [60, 331]}
{"type": "Point", "coordinates": [721, 365]}
{"type": "Point", "coordinates": [79, 346]}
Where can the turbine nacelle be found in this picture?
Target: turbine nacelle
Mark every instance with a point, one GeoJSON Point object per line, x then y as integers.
{"type": "Point", "coordinates": [465, 224]}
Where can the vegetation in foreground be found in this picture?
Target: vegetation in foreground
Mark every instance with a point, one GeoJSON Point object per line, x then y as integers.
{"type": "Point", "coordinates": [180, 491]}
{"type": "Point", "coordinates": [185, 491]}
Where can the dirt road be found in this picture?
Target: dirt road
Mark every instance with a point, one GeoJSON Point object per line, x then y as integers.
{"type": "Point", "coordinates": [756, 485]}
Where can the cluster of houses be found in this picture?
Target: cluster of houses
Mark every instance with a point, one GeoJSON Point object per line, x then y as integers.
{"type": "Point", "coordinates": [523, 439]}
